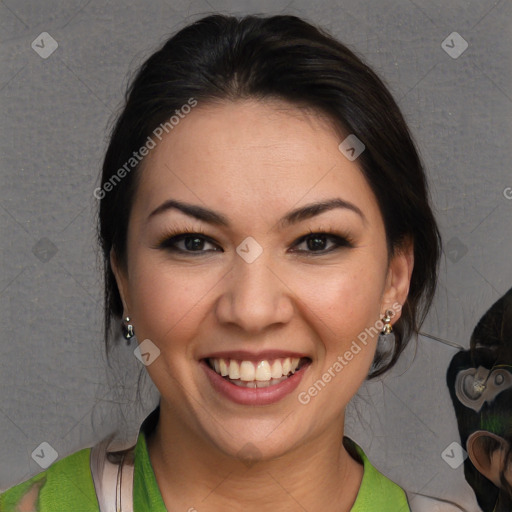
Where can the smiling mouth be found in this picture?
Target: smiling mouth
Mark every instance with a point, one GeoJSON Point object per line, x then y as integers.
{"type": "Point", "coordinates": [261, 374]}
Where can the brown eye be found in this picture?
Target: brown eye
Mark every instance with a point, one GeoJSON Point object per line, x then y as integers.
{"type": "Point", "coordinates": [317, 242]}
{"type": "Point", "coordinates": [321, 243]}
{"type": "Point", "coordinates": [188, 243]}
{"type": "Point", "coordinates": [193, 243]}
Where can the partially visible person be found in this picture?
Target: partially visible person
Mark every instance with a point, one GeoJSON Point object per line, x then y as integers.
{"type": "Point", "coordinates": [480, 385]}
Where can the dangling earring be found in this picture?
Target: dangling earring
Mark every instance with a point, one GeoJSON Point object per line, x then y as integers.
{"type": "Point", "coordinates": [387, 337]}
{"type": "Point", "coordinates": [128, 331]}
{"type": "Point", "coordinates": [388, 328]}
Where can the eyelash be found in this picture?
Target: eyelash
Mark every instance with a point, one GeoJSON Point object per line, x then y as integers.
{"type": "Point", "coordinates": [173, 236]}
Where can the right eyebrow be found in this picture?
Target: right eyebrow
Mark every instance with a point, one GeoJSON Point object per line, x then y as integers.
{"type": "Point", "coordinates": [192, 210]}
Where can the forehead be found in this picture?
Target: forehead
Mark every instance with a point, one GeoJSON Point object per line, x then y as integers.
{"type": "Point", "coordinates": [251, 155]}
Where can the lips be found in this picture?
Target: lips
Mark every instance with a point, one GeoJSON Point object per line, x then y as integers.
{"type": "Point", "coordinates": [241, 376]}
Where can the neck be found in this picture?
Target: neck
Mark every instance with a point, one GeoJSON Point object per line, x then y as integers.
{"type": "Point", "coordinates": [193, 473]}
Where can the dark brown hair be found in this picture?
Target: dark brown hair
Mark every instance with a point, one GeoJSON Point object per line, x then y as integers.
{"type": "Point", "coordinates": [278, 57]}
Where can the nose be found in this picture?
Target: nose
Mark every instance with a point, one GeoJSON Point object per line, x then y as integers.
{"type": "Point", "coordinates": [255, 296]}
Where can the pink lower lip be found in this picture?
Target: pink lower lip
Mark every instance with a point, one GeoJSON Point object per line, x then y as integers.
{"type": "Point", "coordinates": [253, 396]}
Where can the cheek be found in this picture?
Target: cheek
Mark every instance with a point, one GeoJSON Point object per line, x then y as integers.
{"type": "Point", "coordinates": [344, 300]}
{"type": "Point", "coordinates": [167, 301]}
{"type": "Point", "coordinates": [342, 306]}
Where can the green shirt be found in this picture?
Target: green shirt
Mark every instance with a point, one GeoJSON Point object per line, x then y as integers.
{"type": "Point", "coordinates": [67, 485]}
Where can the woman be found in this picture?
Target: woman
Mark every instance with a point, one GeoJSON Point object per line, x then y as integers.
{"type": "Point", "coordinates": [264, 215]}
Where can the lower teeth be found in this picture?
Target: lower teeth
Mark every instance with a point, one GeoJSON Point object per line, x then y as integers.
{"type": "Point", "coordinates": [256, 383]}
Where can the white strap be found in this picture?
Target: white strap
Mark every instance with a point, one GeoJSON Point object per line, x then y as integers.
{"type": "Point", "coordinates": [422, 503]}
{"type": "Point", "coordinates": [113, 481]}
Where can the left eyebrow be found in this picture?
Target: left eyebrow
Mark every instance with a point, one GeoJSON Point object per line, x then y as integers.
{"type": "Point", "coordinates": [313, 209]}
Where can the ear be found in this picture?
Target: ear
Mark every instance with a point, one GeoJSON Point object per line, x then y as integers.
{"type": "Point", "coordinates": [399, 277]}
{"type": "Point", "coordinates": [490, 463]}
{"type": "Point", "coordinates": [121, 280]}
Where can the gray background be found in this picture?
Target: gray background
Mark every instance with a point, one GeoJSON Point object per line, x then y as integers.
{"type": "Point", "coordinates": [55, 113]}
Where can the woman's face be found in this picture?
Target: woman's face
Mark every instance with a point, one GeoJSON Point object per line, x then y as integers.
{"type": "Point", "coordinates": [256, 293]}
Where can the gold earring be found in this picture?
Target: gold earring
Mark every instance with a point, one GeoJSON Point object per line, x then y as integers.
{"type": "Point", "coordinates": [388, 328]}
{"type": "Point", "coordinates": [386, 343]}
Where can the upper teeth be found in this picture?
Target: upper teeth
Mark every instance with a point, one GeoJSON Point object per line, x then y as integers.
{"type": "Point", "coordinates": [263, 370]}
